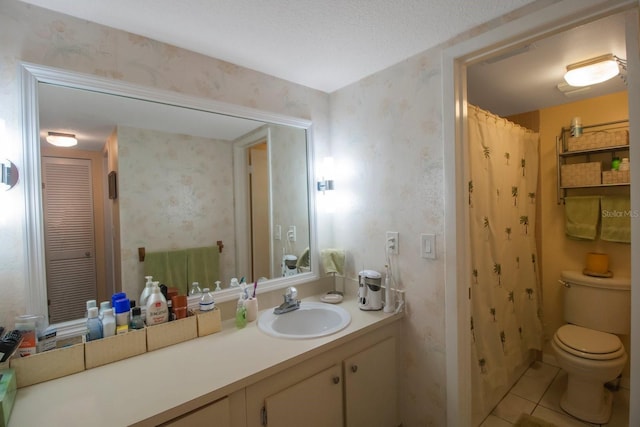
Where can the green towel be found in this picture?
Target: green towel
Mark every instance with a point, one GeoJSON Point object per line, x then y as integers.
{"type": "Point", "coordinates": [616, 219]}
{"type": "Point", "coordinates": [203, 266]}
{"type": "Point", "coordinates": [581, 216]}
{"type": "Point", "coordinates": [168, 268]}
{"type": "Point", "coordinates": [333, 261]}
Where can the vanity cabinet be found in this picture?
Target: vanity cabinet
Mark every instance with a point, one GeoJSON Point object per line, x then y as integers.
{"type": "Point", "coordinates": [370, 389]}
{"type": "Point", "coordinates": [353, 385]}
{"type": "Point", "coordinates": [217, 413]}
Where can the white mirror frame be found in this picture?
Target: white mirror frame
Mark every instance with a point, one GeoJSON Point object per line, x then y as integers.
{"type": "Point", "coordinates": [35, 274]}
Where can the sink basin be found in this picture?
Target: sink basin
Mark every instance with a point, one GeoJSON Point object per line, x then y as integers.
{"type": "Point", "coordinates": [311, 320]}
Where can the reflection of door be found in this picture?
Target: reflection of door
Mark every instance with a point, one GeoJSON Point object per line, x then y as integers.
{"type": "Point", "coordinates": [259, 207]}
{"type": "Point", "coordinates": [69, 237]}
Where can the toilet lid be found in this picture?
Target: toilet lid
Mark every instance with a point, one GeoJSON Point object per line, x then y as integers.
{"type": "Point", "coordinates": [588, 343]}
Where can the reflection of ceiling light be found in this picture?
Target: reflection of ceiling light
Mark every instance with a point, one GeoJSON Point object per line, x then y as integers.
{"type": "Point", "coordinates": [592, 71]}
{"type": "Point", "coordinates": [62, 139]}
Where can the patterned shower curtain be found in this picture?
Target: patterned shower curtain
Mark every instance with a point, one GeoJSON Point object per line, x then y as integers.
{"type": "Point", "coordinates": [504, 277]}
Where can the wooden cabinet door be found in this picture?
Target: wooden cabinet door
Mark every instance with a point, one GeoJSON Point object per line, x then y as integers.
{"type": "Point", "coordinates": [216, 414]}
{"type": "Point", "coordinates": [313, 402]}
{"type": "Point", "coordinates": [370, 387]}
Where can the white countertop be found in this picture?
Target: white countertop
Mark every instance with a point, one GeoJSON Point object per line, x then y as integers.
{"type": "Point", "coordinates": [134, 389]}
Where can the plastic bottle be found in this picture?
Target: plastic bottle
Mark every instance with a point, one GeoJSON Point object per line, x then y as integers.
{"type": "Point", "coordinates": [146, 291]}
{"type": "Point", "coordinates": [136, 319]}
{"type": "Point", "coordinates": [94, 325]}
{"type": "Point", "coordinates": [195, 289]}
{"type": "Point", "coordinates": [103, 306]}
{"type": "Point", "coordinates": [157, 311]}
{"type": "Point", "coordinates": [218, 288]}
{"type": "Point", "coordinates": [122, 308]}
{"type": "Point", "coordinates": [624, 164]}
{"type": "Point", "coordinates": [108, 323]}
{"type": "Point", "coordinates": [241, 313]}
{"type": "Point", "coordinates": [234, 283]}
{"type": "Point", "coordinates": [206, 302]}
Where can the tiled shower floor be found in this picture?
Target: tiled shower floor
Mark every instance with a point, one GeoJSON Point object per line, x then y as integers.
{"type": "Point", "coordinates": [538, 393]}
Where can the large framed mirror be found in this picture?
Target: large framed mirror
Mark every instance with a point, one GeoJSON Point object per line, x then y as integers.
{"type": "Point", "coordinates": [164, 172]}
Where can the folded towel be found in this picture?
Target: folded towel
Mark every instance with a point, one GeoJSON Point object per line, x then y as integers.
{"type": "Point", "coordinates": [303, 259]}
{"type": "Point", "coordinates": [581, 216]}
{"type": "Point", "coordinates": [616, 219]}
{"type": "Point", "coordinates": [203, 266]}
{"type": "Point", "coordinates": [333, 261]}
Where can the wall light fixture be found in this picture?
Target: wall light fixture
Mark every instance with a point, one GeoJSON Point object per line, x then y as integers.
{"type": "Point", "coordinates": [595, 70]}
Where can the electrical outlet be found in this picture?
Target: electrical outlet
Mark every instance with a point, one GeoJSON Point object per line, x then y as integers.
{"type": "Point", "coordinates": [291, 233]}
{"type": "Point", "coordinates": [428, 246]}
{"type": "Point", "coordinates": [393, 242]}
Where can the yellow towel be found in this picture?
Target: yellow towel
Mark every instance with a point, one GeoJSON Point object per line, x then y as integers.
{"type": "Point", "coordinates": [303, 259]}
{"type": "Point", "coordinates": [333, 260]}
{"type": "Point", "coordinates": [581, 216]}
{"type": "Point", "coordinates": [203, 266]}
{"type": "Point", "coordinates": [616, 219]}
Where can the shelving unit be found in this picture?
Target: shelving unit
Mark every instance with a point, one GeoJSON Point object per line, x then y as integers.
{"type": "Point", "coordinates": [584, 156]}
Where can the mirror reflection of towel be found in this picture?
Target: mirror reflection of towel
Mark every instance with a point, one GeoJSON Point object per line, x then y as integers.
{"type": "Point", "coordinates": [303, 259]}
{"type": "Point", "coordinates": [333, 260]}
{"type": "Point", "coordinates": [169, 268]}
{"type": "Point", "coordinates": [203, 265]}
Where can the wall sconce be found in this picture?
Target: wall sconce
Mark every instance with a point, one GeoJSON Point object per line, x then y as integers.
{"type": "Point", "coordinates": [8, 175]}
{"type": "Point", "coordinates": [62, 139]}
{"type": "Point", "coordinates": [325, 184]}
{"type": "Point", "coordinates": [595, 70]}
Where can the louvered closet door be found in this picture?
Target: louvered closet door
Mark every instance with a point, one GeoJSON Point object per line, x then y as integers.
{"type": "Point", "coordinates": [69, 237]}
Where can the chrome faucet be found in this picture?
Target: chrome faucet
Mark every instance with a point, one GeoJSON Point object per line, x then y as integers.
{"type": "Point", "coordinates": [290, 302]}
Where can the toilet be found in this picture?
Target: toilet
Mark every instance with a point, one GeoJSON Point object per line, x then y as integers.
{"type": "Point", "coordinates": [595, 308]}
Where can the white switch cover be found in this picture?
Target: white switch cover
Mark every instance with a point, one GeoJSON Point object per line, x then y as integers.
{"type": "Point", "coordinates": [428, 246]}
{"type": "Point", "coordinates": [291, 233]}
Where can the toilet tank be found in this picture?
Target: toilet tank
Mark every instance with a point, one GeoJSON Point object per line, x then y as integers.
{"type": "Point", "coordinates": [603, 304]}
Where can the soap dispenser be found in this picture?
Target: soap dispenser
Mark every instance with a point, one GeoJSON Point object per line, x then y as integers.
{"type": "Point", "coordinates": [148, 288]}
{"type": "Point", "coordinates": [157, 311]}
{"type": "Point", "coordinates": [241, 313]}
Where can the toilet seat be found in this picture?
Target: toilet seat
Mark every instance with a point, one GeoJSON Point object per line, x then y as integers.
{"type": "Point", "coordinates": [588, 343]}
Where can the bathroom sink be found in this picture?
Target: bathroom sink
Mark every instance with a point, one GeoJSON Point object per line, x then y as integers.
{"type": "Point", "coordinates": [311, 320]}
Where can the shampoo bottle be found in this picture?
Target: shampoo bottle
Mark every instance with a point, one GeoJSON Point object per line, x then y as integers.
{"type": "Point", "coordinates": [108, 323]}
{"type": "Point", "coordinates": [157, 311]}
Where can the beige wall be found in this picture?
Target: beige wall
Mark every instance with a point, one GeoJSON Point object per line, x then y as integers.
{"type": "Point", "coordinates": [559, 252]}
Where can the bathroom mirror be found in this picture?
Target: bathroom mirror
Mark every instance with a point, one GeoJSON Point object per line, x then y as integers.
{"type": "Point", "coordinates": [159, 118]}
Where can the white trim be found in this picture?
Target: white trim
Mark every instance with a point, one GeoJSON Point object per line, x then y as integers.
{"type": "Point", "coordinates": [35, 271]}
{"type": "Point", "coordinates": [541, 23]}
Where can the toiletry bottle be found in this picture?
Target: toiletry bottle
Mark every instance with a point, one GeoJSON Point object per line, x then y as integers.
{"type": "Point", "coordinates": [241, 313]}
{"type": "Point", "coordinates": [136, 319]}
{"type": "Point", "coordinates": [218, 288]}
{"type": "Point", "coordinates": [122, 309]}
{"type": "Point", "coordinates": [624, 164]}
{"type": "Point", "coordinates": [148, 287]}
{"type": "Point", "coordinates": [157, 311]}
{"type": "Point", "coordinates": [108, 323]}
{"type": "Point", "coordinates": [206, 302]}
{"type": "Point", "coordinates": [165, 293]}
{"type": "Point", "coordinates": [94, 325]}
{"type": "Point", "coordinates": [90, 303]}
{"type": "Point", "coordinates": [195, 289]}
{"type": "Point", "coordinates": [615, 163]}
{"type": "Point", "coordinates": [103, 306]}
{"type": "Point", "coordinates": [234, 283]}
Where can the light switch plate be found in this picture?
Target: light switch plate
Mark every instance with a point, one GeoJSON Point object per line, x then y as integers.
{"type": "Point", "coordinates": [428, 246]}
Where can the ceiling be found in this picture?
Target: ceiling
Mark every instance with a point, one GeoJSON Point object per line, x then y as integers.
{"type": "Point", "coordinates": [331, 43]}
{"type": "Point", "coordinates": [322, 44]}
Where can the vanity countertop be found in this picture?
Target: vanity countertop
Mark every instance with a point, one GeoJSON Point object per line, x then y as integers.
{"type": "Point", "coordinates": [132, 390]}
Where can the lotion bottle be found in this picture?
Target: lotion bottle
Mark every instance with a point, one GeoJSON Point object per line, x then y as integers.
{"type": "Point", "coordinates": [157, 311]}
{"type": "Point", "coordinates": [94, 325]}
{"type": "Point", "coordinates": [146, 291]}
{"type": "Point", "coordinates": [108, 323]}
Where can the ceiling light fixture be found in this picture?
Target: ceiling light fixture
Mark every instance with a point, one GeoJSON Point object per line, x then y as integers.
{"type": "Point", "coordinates": [593, 71]}
{"type": "Point", "coordinates": [62, 139]}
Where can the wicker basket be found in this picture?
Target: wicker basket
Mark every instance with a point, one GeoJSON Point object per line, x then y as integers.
{"type": "Point", "coordinates": [581, 174]}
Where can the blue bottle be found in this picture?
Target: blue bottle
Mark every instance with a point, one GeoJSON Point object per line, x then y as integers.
{"type": "Point", "coordinates": [94, 325]}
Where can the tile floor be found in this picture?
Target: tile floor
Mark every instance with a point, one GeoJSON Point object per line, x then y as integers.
{"type": "Point", "coordinates": [538, 393]}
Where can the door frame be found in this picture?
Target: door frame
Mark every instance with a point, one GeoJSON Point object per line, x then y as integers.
{"type": "Point", "coordinates": [541, 23]}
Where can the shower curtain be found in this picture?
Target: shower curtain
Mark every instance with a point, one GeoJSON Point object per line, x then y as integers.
{"type": "Point", "coordinates": [504, 278]}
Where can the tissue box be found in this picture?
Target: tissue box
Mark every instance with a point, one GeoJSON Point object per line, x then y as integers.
{"type": "Point", "coordinates": [8, 390]}
{"type": "Point", "coordinates": [209, 322]}
{"type": "Point", "coordinates": [49, 365]}
{"type": "Point", "coordinates": [581, 174]}
{"type": "Point", "coordinates": [118, 347]}
{"type": "Point", "coordinates": [166, 334]}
